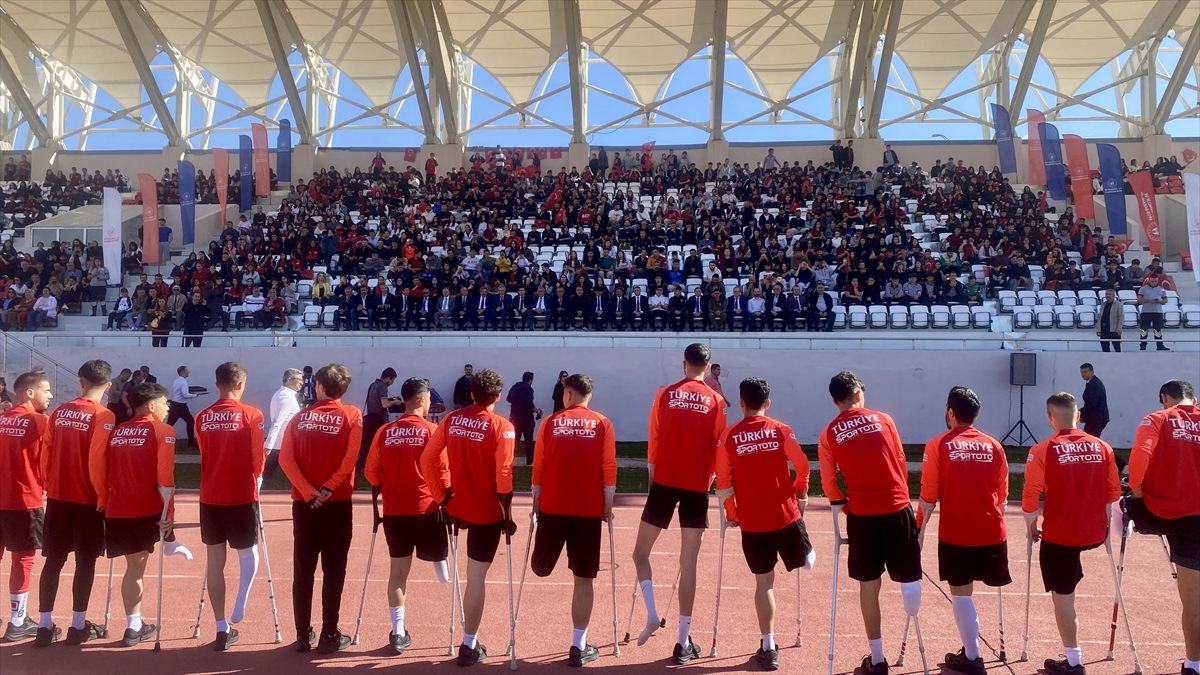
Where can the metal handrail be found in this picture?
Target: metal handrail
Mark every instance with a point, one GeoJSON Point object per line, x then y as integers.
{"type": "Point", "coordinates": [37, 358]}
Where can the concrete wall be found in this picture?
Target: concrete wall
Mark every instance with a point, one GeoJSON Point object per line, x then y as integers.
{"type": "Point", "coordinates": [911, 386]}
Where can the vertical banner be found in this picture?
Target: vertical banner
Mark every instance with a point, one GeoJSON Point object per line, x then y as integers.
{"type": "Point", "coordinates": [221, 169]}
{"type": "Point", "coordinates": [1081, 176]}
{"type": "Point", "coordinates": [1191, 199]}
{"type": "Point", "coordinates": [187, 202]}
{"type": "Point", "coordinates": [149, 190]}
{"type": "Point", "coordinates": [1004, 139]}
{"type": "Point", "coordinates": [283, 152]}
{"type": "Point", "coordinates": [112, 230]}
{"type": "Point", "coordinates": [1037, 167]}
{"type": "Point", "coordinates": [262, 161]}
{"type": "Point", "coordinates": [246, 167]}
{"type": "Point", "coordinates": [1052, 159]}
{"type": "Point", "coordinates": [1143, 189]}
{"type": "Point", "coordinates": [410, 155]}
{"type": "Point", "coordinates": [1113, 184]}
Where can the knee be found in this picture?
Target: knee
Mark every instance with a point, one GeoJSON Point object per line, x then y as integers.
{"type": "Point", "coordinates": [911, 592]}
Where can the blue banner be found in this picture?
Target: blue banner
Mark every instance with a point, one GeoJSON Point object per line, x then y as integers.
{"type": "Point", "coordinates": [1056, 181]}
{"type": "Point", "coordinates": [246, 167]}
{"type": "Point", "coordinates": [1113, 184]}
{"type": "Point", "coordinates": [1004, 139]}
{"type": "Point", "coordinates": [187, 201]}
{"type": "Point", "coordinates": [283, 152]}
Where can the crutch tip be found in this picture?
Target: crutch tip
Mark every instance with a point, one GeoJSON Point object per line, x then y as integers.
{"type": "Point", "coordinates": [616, 650]}
{"type": "Point", "coordinates": [1110, 657]}
{"type": "Point", "coordinates": [1024, 656]}
{"type": "Point", "coordinates": [662, 623]}
{"type": "Point", "coordinates": [1137, 669]}
{"type": "Point", "coordinates": [278, 639]}
{"type": "Point", "coordinates": [157, 647]}
{"type": "Point", "coordinates": [1004, 657]}
{"type": "Point", "coordinates": [354, 641]}
{"type": "Point", "coordinates": [195, 633]}
{"type": "Point", "coordinates": [512, 665]}
{"type": "Point", "coordinates": [900, 661]}
{"type": "Point", "coordinates": [799, 641]}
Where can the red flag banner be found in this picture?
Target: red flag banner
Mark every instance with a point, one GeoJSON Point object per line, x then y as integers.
{"type": "Point", "coordinates": [1037, 164]}
{"type": "Point", "coordinates": [556, 153]}
{"type": "Point", "coordinates": [410, 154]}
{"type": "Point", "coordinates": [1189, 156]}
{"type": "Point", "coordinates": [149, 188]}
{"type": "Point", "coordinates": [221, 169]}
{"type": "Point", "coordinates": [1143, 190]}
{"type": "Point", "coordinates": [1081, 176]}
{"type": "Point", "coordinates": [540, 152]}
{"type": "Point", "coordinates": [262, 161]}
{"type": "Point", "coordinates": [647, 147]}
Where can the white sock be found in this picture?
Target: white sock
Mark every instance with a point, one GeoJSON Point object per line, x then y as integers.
{"type": "Point", "coordinates": [768, 642]}
{"type": "Point", "coordinates": [176, 548]}
{"type": "Point", "coordinates": [968, 624]}
{"type": "Point", "coordinates": [685, 629]}
{"type": "Point", "coordinates": [911, 592]}
{"type": "Point", "coordinates": [810, 560]}
{"type": "Point", "coordinates": [44, 620]}
{"type": "Point", "coordinates": [134, 621]}
{"type": "Point", "coordinates": [397, 614]}
{"type": "Point", "coordinates": [1074, 655]}
{"type": "Point", "coordinates": [876, 650]}
{"type": "Point", "coordinates": [442, 571]}
{"type": "Point", "coordinates": [18, 600]}
{"type": "Point", "coordinates": [579, 639]}
{"type": "Point", "coordinates": [469, 640]}
{"type": "Point", "coordinates": [78, 620]}
{"type": "Point", "coordinates": [247, 569]}
{"type": "Point", "coordinates": [222, 625]}
{"type": "Point", "coordinates": [1194, 665]}
{"type": "Point", "coordinates": [647, 588]}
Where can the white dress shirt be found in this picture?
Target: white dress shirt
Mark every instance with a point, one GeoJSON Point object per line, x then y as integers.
{"type": "Point", "coordinates": [756, 305]}
{"type": "Point", "coordinates": [179, 391]}
{"type": "Point", "coordinates": [284, 404]}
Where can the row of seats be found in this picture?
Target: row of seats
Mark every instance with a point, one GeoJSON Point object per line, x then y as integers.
{"type": "Point", "coordinates": [1010, 300]}
{"type": "Point", "coordinates": [1084, 316]}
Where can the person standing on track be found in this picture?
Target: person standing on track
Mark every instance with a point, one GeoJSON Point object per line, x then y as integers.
{"type": "Point", "coordinates": [319, 449]}
{"type": "Point", "coordinates": [1163, 467]}
{"type": "Point", "coordinates": [468, 468]}
{"type": "Point", "coordinates": [864, 446]}
{"type": "Point", "coordinates": [134, 474]}
{"type": "Point", "coordinates": [574, 482]}
{"type": "Point", "coordinates": [79, 432]}
{"type": "Point", "coordinates": [230, 437]}
{"type": "Point", "coordinates": [752, 468]}
{"type": "Point", "coordinates": [24, 437]}
{"type": "Point", "coordinates": [967, 471]}
{"type": "Point", "coordinates": [1078, 475]}
{"type": "Point", "coordinates": [686, 422]}
{"type": "Point", "coordinates": [285, 402]}
{"type": "Point", "coordinates": [410, 515]}
{"type": "Point", "coordinates": [178, 404]}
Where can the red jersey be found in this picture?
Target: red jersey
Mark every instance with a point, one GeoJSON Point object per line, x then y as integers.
{"type": "Point", "coordinates": [319, 449]}
{"type": "Point", "coordinates": [865, 447]}
{"type": "Point", "coordinates": [1079, 476]}
{"type": "Point", "coordinates": [967, 470]}
{"type": "Point", "coordinates": [139, 458]}
{"type": "Point", "coordinates": [753, 460]}
{"type": "Point", "coordinates": [1165, 460]}
{"type": "Point", "coordinates": [686, 421]}
{"type": "Point", "coordinates": [576, 460]}
{"type": "Point", "coordinates": [394, 462]}
{"type": "Point", "coordinates": [231, 440]}
{"type": "Point", "coordinates": [472, 452]}
{"type": "Point", "coordinates": [23, 440]}
{"type": "Point", "coordinates": [79, 431]}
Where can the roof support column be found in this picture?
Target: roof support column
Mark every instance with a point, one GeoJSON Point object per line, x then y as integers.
{"type": "Point", "coordinates": [404, 18]}
{"type": "Point", "coordinates": [893, 9]}
{"type": "Point", "coordinates": [271, 28]}
{"type": "Point", "coordinates": [1175, 84]}
{"type": "Point", "coordinates": [577, 64]}
{"type": "Point", "coordinates": [862, 50]}
{"type": "Point", "coordinates": [438, 45]}
{"type": "Point", "coordinates": [138, 56]}
{"type": "Point", "coordinates": [1032, 52]}
{"type": "Point", "coordinates": [717, 71]}
{"type": "Point", "coordinates": [28, 110]}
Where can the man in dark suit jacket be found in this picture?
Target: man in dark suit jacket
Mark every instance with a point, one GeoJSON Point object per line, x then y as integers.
{"type": "Point", "coordinates": [380, 308]}
{"type": "Point", "coordinates": [820, 310]}
{"type": "Point", "coordinates": [1094, 412]}
{"type": "Point", "coordinates": [639, 309]}
{"type": "Point", "coordinates": [697, 308]}
{"type": "Point", "coordinates": [462, 388]}
{"type": "Point", "coordinates": [349, 306]}
{"type": "Point", "coordinates": [619, 313]}
{"type": "Point", "coordinates": [561, 311]}
{"type": "Point", "coordinates": [518, 310]}
{"type": "Point", "coordinates": [678, 310]}
{"type": "Point", "coordinates": [404, 311]}
{"type": "Point", "coordinates": [541, 305]}
{"type": "Point", "coordinates": [777, 308]}
{"type": "Point", "coordinates": [462, 308]}
{"type": "Point", "coordinates": [797, 308]}
{"type": "Point", "coordinates": [578, 308]}
{"type": "Point", "coordinates": [598, 309]}
{"type": "Point", "coordinates": [482, 309]}
{"type": "Point", "coordinates": [523, 413]}
{"type": "Point", "coordinates": [737, 308]}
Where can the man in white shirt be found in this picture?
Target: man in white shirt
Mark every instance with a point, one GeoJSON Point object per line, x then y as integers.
{"type": "Point", "coordinates": [177, 405]}
{"type": "Point", "coordinates": [659, 306]}
{"type": "Point", "coordinates": [252, 305]}
{"type": "Point", "coordinates": [284, 403]}
{"type": "Point", "coordinates": [756, 306]}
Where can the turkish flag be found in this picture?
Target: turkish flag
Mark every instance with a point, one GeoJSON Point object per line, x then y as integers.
{"type": "Point", "coordinates": [1189, 156]}
{"type": "Point", "coordinates": [555, 153]}
{"type": "Point", "coordinates": [410, 154]}
{"type": "Point", "coordinates": [647, 147]}
{"type": "Point", "coordinates": [540, 152]}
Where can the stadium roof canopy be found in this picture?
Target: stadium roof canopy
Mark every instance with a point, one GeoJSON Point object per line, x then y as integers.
{"type": "Point", "coordinates": [189, 69]}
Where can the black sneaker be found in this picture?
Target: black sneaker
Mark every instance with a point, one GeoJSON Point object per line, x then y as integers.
{"type": "Point", "coordinates": [684, 654]}
{"type": "Point", "coordinates": [332, 642]}
{"type": "Point", "coordinates": [26, 630]}
{"type": "Point", "coordinates": [1061, 667]}
{"type": "Point", "coordinates": [305, 643]}
{"type": "Point", "coordinates": [469, 657]}
{"type": "Point", "coordinates": [46, 636]}
{"type": "Point", "coordinates": [90, 631]}
{"type": "Point", "coordinates": [767, 660]}
{"type": "Point", "coordinates": [872, 668]}
{"type": "Point", "coordinates": [135, 637]}
{"type": "Point", "coordinates": [1163, 348]}
{"type": "Point", "coordinates": [225, 640]}
{"type": "Point", "coordinates": [1184, 670]}
{"type": "Point", "coordinates": [398, 643]}
{"type": "Point", "coordinates": [578, 657]}
{"type": "Point", "coordinates": [962, 664]}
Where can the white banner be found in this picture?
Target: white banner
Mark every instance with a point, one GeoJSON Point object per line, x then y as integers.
{"type": "Point", "coordinates": [1191, 197]}
{"type": "Point", "coordinates": [112, 234]}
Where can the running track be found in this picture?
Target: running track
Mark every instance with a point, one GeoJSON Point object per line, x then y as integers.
{"type": "Point", "coordinates": [544, 630]}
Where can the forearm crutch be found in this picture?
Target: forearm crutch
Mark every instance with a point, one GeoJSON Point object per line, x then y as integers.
{"type": "Point", "coordinates": [837, 546]}
{"type": "Point", "coordinates": [1137, 664]}
{"type": "Point", "coordinates": [108, 600]}
{"type": "Point", "coordinates": [799, 614]}
{"type": "Point", "coordinates": [161, 539]}
{"type": "Point", "coordinates": [528, 548]}
{"type": "Point", "coordinates": [720, 569]}
{"type": "Point", "coordinates": [200, 608]}
{"type": "Point", "coordinates": [612, 565]}
{"type": "Point", "coordinates": [376, 520]}
{"type": "Point", "coordinates": [262, 533]}
{"type": "Point", "coordinates": [1028, 590]}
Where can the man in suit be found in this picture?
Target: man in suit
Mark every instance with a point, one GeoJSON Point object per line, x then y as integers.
{"type": "Point", "coordinates": [697, 308]}
{"type": "Point", "coordinates": [737, 308]}
{"type": "Point", "coordinates": [518, 311]}
{"type": "Point", "coordinates": [480, 311]}
{"type": "Point", "coordinates": [347, 311]}
{"type": "Point", "coordinates": [638, 309]}
{"type": "Point", "coordinates": [1094, 413]}
{"type": "Point", "coordinates": [619, 314]}
{"type": "Point", "coordinates": [678, 308]}
{"type": "Point", "coordinates": [442, 310]}
{"type": "Point", "coordinates": [462, 308]}
{"type": "Point", "coordinates": [598, 309]}
{"type": "Point", "coordinates": [523, 413]}
{"type": "Point", "coordinates": [578, 308]}
{"type": "Point", "coordinates": [462, 388]}
{"type": "Point", "coordinates": [542, 306]}
{"type": "Point", "coordinates": [561, 311]}
{"type": "Point", "coordinates": [777, 309]}
{"type": "Point", "coordinates": [380, 308]}
{"type": "Point", "coordinates": [797, 308]}
{"type": "Point", "coordinates": [404, 310]}
{"type": "Point", "coordinates": [820, 310]}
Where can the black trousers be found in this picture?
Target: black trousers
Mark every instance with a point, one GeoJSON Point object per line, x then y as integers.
{"type": "Point", "coordinates": [179, 411]}
{"type": "Point", "coordinates": [81, 583]}
{"type": "Point", "coordinates": [1109, 337]}
{"type": "Point", "coordinates": [319, 534]}
{"type": "Point", "coordinates": [371, 426]}
{"type": "Point", "coordinates": [192, 340]}
{"type": "Point", "coordinates": [525, 429]}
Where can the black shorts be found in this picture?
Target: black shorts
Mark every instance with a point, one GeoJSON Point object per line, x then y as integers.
{"type": "Point", "coordinates": [422, 533]}
{"type": "Point", "coordinates": [97, 293]}
{"type": "Point", "coordinates": [961, 565]}
{"type": "Point", "coordinates": [126, 536]}
{"type": "Point", "coordinates": [660, 507]}
{"type": "Point", "coordinates": [791, 544]}
{"type": "Point", "coordinates": [1183, 534]}
{"type": "Point", "coordinates": [888, 540]}
{"type": "Point", "coordinates": [72, 527]}
{"type": "Point", "coordinates": [1061, 569]}
{"type": "Point", "coordinates": [1155, 320]}
{"type": "Point", "coordinates": [581, 536]}
{"type": "Point", "coordinates": [236, 524]}
{"type": "Point", "coordinates": [482, 540]}
{"type": "Point", "coordinates": [21, 530]}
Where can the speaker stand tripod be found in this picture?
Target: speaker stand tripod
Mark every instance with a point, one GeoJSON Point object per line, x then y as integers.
{"type": "Point", "coordinates": [1020, 429]}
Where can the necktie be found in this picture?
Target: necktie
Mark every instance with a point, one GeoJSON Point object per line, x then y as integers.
{"type": "Point", "coordinates": [541, 303]}
{"type": "Point", "coordinates": [598, 307]}
{"type": "Point", "coordinates": [520, 303]}
{"type": "Point", "coordinates": [482, 300]}
{"type": "Point", "coordinates": [697, 305]}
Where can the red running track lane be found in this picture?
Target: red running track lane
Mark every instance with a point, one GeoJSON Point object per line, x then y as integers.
{"type": "Point", "coordinates": [544, 630]}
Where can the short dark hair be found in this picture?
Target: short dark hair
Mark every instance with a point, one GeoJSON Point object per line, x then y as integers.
{"type": "Point", "coordinates": [527, 377]}
{"type": "Point", "coordinates": [844, 384]}
{"type": "Point", "coordinates": [334, 379]}
{"type": "Point", "coordinates": [579, 383]}
{"type": "Point", "coordinates": [964, 403]}
{"type": "Point", "coordinates": [697, 355]}
{"type": "Point", "coordinates": [29, 380]}
{"type": "Point", "coordinates": [180, 369]}
{"type": "Point", "coordinates": [230, 373]}
{"type": "Point", "coordinates": [413, 387]}
{"type": "Point", "coordinates": [1086, 366]}
{"type": "Point", "coordinates": [486, 386]}
{"type": "Point", "coordinates": [388, 372]}
{"type": "Point", "coordinates": [1062, 400]}
{"type": "Point", "coordinates": [146, 392]}
{"type": "Point", "coordinates": [95, 372]}
{"type": "Point", "coordinates": [755, 392]}
{"type": "Point", "coordinates": [1178, 390]}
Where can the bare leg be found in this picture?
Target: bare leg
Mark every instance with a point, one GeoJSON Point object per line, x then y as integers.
{"type": "Point", "coordinates": [398, 581]}
{"type": "Point", "coordinates": [1189, 593]}
{"type": "Point", "coordinates": [131, 584]}
{"type": "Point", "coordinates": [868, 600]}
{"type": "Point", "coordinates": [647, 535]}
{"type": "Point", "coordinates": [1064, 616]}
{"type": "Point", "coordinates": [581, 603]}
{"type": "Point", "coordinates": [216, 579]}
{"type": "Point", "coordinates": [689, 552]}
{"type": "Point", "coordinates": [764, 601]}
{"type": "Point", "coordinates": [474, 596]}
